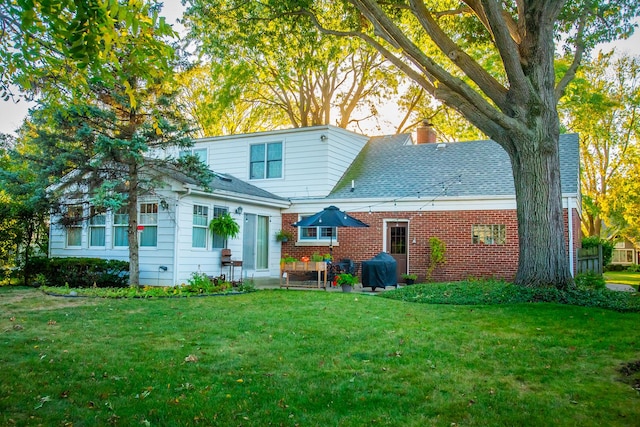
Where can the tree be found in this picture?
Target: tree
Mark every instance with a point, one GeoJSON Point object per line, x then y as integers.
{"type": "Point", "coordinates": [23, 207]}
{"type": "Point", "coordinates": [516, 107]}
{"type": "Point", "coordinates": [603, 105]}
{"type": "Point", "coordinates": [47, 38]}
{"type": "Point", "coordinates": [109, 131]}
{"type": "Point", "coordinates": [287, 66]}
{"type": "Point", "coordinates": [220, 99]}
{"type": "Point", "coordinates": [418, 106]}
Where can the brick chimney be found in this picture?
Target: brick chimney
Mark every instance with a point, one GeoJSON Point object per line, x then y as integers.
{"type": "Point", "coordinates": [425, 133]}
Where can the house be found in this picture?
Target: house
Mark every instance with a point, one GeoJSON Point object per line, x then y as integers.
{"type": "Point", "coordinates": [406, 191]}
{"type": "Point", "coordinates": [625, 253]}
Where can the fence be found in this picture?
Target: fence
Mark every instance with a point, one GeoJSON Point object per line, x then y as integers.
{"type": "Point", "coordinates": [590, 259]}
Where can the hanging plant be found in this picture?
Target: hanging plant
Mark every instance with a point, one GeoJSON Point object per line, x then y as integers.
{"type": "Point", "coordinates": [224, 226]}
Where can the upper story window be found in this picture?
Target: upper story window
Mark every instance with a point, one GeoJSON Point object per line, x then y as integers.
{"type": "Point", "coordinates": [149, 219]}
{"type": "Point", "coordinates": [489, 234]}
{"type": "Point", "coordinates": [266, 161]}
{"type": "Point", "coordinates": [199, 230]}
{"type": "Point", "coordinates": [73, 220]}
{"type": "Point", "coordinates": [97, 226]}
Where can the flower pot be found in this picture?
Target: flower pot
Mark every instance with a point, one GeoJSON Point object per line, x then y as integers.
{"type": "Point", "coordinates": [409, 281]}
{"type": "Point", "coordinates": [346, 288]}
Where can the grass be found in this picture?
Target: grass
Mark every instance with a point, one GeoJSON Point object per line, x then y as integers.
{"type": "Point", "coordinates": [623, 278]}
{"type": "Point", "coordinates": [311, 358]}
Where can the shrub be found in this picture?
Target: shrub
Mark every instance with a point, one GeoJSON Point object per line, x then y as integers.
{"type": "Point", "coordinates": [633, 268]}
{"type": "Point", "coordinates": [200, 283]}
{"type": "Point", "coordinates": [483, 292]}
{"type": "Point", "coordinates": [80, 272]}
{"type": "Point", "coordinates": [590, 280]}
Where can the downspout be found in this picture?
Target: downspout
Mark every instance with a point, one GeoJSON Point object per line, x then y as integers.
{"type": "Point", "coordinates": [571, 248]}
{"type": "Point", "coordinates": [177, 234]}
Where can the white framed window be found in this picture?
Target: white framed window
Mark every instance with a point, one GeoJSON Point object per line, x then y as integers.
{"type": "Point", "coordinates": [265, 161]}
{"type": "Point", "coordinates": [199, 230]}
{"type": "Point", "coordinates": [317, 233]}
{"type": "Point", "coordinates": [121, 228]}
{"type": "Point", "coordinates": [149, 220]}
{"type": "Point", "coordinates": [218, 242]}
{"type": "Point", "coordinates": [200, 153]}
{"type": "Point", "coordinates": [97, 226]}
{"type": "Point", "coordinates": [489, 234]}
{"type": "Point", "coordinates": [622, 256]}
{"type": "Point", "coordinates": [73, 219]}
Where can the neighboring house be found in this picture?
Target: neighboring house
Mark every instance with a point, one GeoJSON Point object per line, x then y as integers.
{"type": "Point", "coordinates": [625, 253]}
{"type": "Point", "coordinates": [461, 192]}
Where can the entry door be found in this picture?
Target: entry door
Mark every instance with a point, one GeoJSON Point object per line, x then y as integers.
{"type": "Point", "coordinates": [397, 245]}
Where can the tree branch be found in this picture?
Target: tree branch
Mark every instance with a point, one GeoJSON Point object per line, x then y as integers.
{"type": "Point", "coordinates": [577, 59]}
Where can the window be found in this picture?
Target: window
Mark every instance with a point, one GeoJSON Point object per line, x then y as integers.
{"type": "Point", "coordinates": [489, 234]}
{"type": "Point", "coordinates": [149, 219]}
{"type": "Point", "coordinates": [622, 256]}
{"type": "Point", "coordinates": [199, 230]}
{"type": "Point", "coordinates": [266, 161]}
{"type": "Point", "coordinates": [200, 153]}
{"type": "Point", "coordinates": [318, 233]}
{"type": "Point", "coordinates": [97, 226]}
{"type": "Point", "coordinates": [218, 241]}
{"type": "Point", "coordinates": [73, 221]}
{"type": "Point", "coordinates": [121, 228]}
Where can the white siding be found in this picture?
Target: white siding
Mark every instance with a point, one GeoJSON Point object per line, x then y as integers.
{"type": "Point", "coordinates": [150, 258]}
{"type": "Point", "coordinates": [207, 260]}
{"type": "Point", "coordinates": [311, 165]}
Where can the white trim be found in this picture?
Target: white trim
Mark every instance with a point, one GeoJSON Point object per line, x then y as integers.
{"type": "Point", "coordinates": [570, 222]}
{"type": "Point", "coordinates": [385, 227]}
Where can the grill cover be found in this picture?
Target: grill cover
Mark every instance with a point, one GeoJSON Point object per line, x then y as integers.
{"type": "Point", "coordinates": [379, 271]}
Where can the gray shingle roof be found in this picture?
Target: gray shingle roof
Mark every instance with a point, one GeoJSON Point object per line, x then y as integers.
{"type": "Point", "coordinates": [221, 182]}
{"type": "Point", "coordinates": [391, 167]}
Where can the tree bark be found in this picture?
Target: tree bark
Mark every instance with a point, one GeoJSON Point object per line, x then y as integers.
{"type": "Point", "coordinates": [543, 258]}
{"type": "Point", "coordinates": [132, 210]}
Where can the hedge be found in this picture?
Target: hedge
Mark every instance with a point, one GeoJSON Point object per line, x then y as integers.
{"type": "Point", "coordinates": [80, 272]}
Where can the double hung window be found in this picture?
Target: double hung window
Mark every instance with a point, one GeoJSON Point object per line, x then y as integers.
{"type": "Point", "coordinates": [199, 230]}
{"type": "Point", "coordinates": [149, 220]}
{"type": "Point", "coordinates": [266, 161]}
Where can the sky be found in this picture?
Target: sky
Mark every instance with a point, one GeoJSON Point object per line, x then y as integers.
{"type": "Point", "coordinates": [12, 114]}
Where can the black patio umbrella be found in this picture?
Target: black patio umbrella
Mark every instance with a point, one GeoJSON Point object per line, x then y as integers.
{"type": "Point", "coordinates": [330, 217]}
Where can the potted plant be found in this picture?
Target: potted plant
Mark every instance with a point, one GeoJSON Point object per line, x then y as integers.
{"type": "Point", "coordinates": [327, 257]}
{"type": "Point", "coordinates": [409, 278]}
{"type": "Point", "coordinates": [346, 281]}
{"type": "Point", "coordinates": [284, 236]}
{"type": "Point", "coordinates": [224, 226]}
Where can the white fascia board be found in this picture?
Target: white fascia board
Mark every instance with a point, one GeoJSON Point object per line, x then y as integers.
{"type": "Point", "coordinates": [281, 132]}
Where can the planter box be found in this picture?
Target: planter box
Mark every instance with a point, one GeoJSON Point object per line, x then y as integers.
{"type": "Point", "coordinates": [300, 266]}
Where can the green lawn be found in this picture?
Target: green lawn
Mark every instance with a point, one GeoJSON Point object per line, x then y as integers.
{"type": "Point", "coordinates": [623, 278]}
{"type": "Point", "coordinates": [312, 359]}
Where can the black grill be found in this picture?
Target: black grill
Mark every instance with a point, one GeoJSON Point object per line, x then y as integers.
{"type": "Point", "coordinates": [379, 272]}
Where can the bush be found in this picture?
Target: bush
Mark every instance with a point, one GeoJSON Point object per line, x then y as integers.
{"type": "Point", "coordinates": [80, 272]}
{"type": "Point", "coordinates": [590, 280]}
{"type": "Point", "coordinates": [615, 267]}
{"type": "Point", "coordinates": [483, 292]}
{"type": "Point", "coordinates": [633, 268]}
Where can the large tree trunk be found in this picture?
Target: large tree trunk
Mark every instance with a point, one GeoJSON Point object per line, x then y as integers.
{"type": "Point", "coordinates": [543, 259]}
{"type": "Point", "coordinates": [132, 210]}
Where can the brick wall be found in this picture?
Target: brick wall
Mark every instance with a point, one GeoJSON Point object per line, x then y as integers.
{"type": "Point", "coordinates": [463, 258]}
